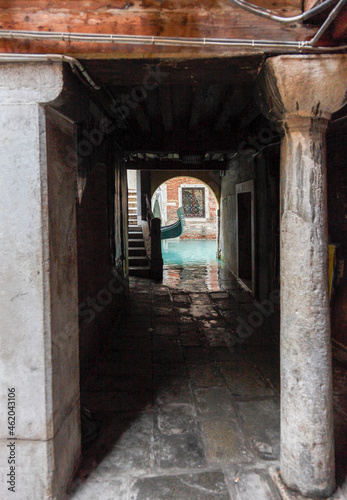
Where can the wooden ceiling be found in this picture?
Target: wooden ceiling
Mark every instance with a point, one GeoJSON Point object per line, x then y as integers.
{"type": "Point", "coordinates": [196, 106]}
{"type": "Point", "coordinates": [170, 18]}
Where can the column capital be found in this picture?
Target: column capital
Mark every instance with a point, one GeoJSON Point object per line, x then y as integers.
{"type": "Point", "coordinates": [306, 86]}
{"type": "Point", "coordinates": [27, 83]}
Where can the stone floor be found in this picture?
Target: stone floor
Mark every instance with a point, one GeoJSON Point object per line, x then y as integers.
{"type": "Point", "coordinates": [189, 399]}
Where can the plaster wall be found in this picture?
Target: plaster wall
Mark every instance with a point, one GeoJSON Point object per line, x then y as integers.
{"type": "Point", "coordinates": [264, 170]}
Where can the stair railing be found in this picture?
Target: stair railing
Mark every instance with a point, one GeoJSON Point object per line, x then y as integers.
{"type": "Point", "coordinates": [154, 225]}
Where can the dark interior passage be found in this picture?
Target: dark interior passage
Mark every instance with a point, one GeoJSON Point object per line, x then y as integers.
{"type": "Point", "coordinates": [186, 390]}
{"type": "Point", "coordinates": [244, 214]}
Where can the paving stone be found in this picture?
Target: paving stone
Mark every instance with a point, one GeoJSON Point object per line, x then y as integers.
{"type": "Point", "coordinates": [243, 378]}
{"type": "Point", "coordinates": [174, 355]}
{"type": "Point", "coordinates": [227, 304]}
{"type": "Point", "coordinates": [221, 353]}
{"type": "Point", "coordinates": [130, 445]}
{"type": "Point", "coordinates": [177, 419]}
{"type": "Point", "coordinates": [224, 441]}
{"type": "Point", "coordinates": [130, 344]}
{"type": "Point", "coordinates": [203, 486]}
{"type": "Point", "coordinates": [253, 485]}
{"type": "Point", "coordinates": [192, 338]}
{"type": "Point", "coordinates": [169, 330]}
{"type": "Point", "coordinates": [200, 298]}
{"type": "Point", "coordinates": [197, 355]}
{"type": "Point", "coordinates": [207, 375]}
{"type": "Point", "coordinates": [169, 370]}
{"type": "Point", "coordinates": [115, 383]}
{"type": "Point", "coordinates": [214, 401]}
{"type": "Point", "coordinates": [163, 321]}
{"type": "Point", "coordinates": [261, 421]}
{"type": "Point", "coordinates": [218, 336]}
{"type": "Point", "coordinates": [126, 367]}
{"type": "Point", "coordinates": [162, 311]}
{"type": "Point", "coordinates": [203, 311]}
{"type": "Point", "coordinates": [181, 298]}
{"type": "Point", "coordinates": [267, 360]}
{"type": "Point", "coordinates": [242, 297]}
{"type": "Point", "coordinates": [181, 451]}
{"type": "Point", "coordinates": [163, 343]}
{"type": "Point", "coordinates": [211, 324]}
{"type": "Point", "coordinates": [219, 295]}
{"type": "Point", "coordinates": [189, 329]}
{"type": "Point", "coordinates": [102, 488]}
{"type": "Point", "coordinates": [183, 320]}
{"type": "Point", "coordinates": [174, 390]}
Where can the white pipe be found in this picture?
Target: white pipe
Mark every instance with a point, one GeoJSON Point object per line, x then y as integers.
{"type": "Point", "coordinates": [158, 40]}
{"type": "Point", "coordinates": [74, 63]}
{"type": "Point", "coordinates": [333, 14]}
{"type": "Point", "coordinates": [259, 11]}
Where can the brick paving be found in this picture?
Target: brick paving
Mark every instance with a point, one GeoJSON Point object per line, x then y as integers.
{"type": "Point", "coordinates": [190, 408]}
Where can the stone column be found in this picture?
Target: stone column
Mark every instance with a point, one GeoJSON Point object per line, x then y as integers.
{"type": "Point", "coordinates": [39, 351]}
{"type": "Point", "coordinates": [302, 92]}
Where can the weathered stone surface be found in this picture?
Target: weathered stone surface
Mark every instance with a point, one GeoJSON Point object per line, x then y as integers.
{"type": "Point", "coordinates": [203, 486]}
{"type": "Point", "coordinates": [219, 295]}
{"type": "Point", "coordinates": [203, 311]}
{"type": "Point", "coordinates": [36, 339]}
{"type": "Point", "coordinates": [214, 401]}
{"type": "Point", "coordinates": [172, 390]}
{"type": "Point", "coordinates": [224, 441]}
{"type": "Point", "coordinates": [197, 355]}
{"type": "Point", "coordinates": [129, 442]}
{"type": "Point", "coordinates": [243, 378]}
{"type": "Point", "coordinates": [103, 487]}
{"type": "Point", "coordinates": [253, 485]}
{"type": "Point", "coordinates": [261, 421]}
{"type": "Point", "coordinates": [181, 451]}
{"type": "Point", "coordinates": [307, 446]}
{"type": "Point", "coordinates": [176, 419]}
{"type": "Point", "coordinates": [206, 375]}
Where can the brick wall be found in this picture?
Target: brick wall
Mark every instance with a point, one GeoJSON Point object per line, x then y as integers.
{"type": "Point", "coordinates": [194, 230]}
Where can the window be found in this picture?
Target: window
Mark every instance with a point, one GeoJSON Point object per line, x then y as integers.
{"type": "Point", "coordinates": [193, 201]}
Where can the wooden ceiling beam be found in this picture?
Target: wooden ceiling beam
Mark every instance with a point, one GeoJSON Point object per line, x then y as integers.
{"type": "Point", "coordinates": [176, 165]}
{"type": "Point", "coordinates": [171, 18]}
{"type": "Point", "coordinates": [233, 105]}
{"type": "Point", "coordinates": [249, 114]}
{"type": "Point", "coordinates": [199, 96]}
{"type": "Point", "coordinates": [166, 107]}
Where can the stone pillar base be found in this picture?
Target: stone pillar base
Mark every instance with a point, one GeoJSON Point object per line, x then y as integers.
{"type": "Point", "coordinates": [288, 494]}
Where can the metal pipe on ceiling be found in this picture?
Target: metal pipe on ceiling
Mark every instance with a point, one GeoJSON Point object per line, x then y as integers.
{"type": "Point", "coordinates": [74, 63]}
{"type": "Point", "coordinates": [260, 11]}
{"type": "Point", "coordinates": [333, 14]}
{"type": "Point", "coordinates": [167, 41]}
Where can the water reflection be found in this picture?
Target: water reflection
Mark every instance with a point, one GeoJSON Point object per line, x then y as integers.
{"type": "Point", "coordinates": [193, 266]}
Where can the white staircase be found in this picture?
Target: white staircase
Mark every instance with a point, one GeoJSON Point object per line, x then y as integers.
{"type": "Point", "coordinates": [138, 262]}
{"type": "Point", "coordinates": [132, 207]}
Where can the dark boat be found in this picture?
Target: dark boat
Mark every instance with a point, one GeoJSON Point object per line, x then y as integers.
{"type": "Point", "coordinates": [176, 229]}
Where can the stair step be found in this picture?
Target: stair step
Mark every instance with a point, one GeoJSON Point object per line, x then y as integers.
{"type": "Point", "coordinates": [137, 252]}
{"type": "Point", "coordinates": [136, 235]}
{"type": "Point", "coordinates": [141, 272]}
{"type": "Point", "coordinates": [135, 243]}
{"type": "Point", "coordinates": [138, 261]}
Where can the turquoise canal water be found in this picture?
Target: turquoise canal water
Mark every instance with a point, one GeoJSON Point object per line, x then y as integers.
{"type": "Point", "coordinates": [192, 265]}
{"type": "Point", "coordinates": [189, 252]}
